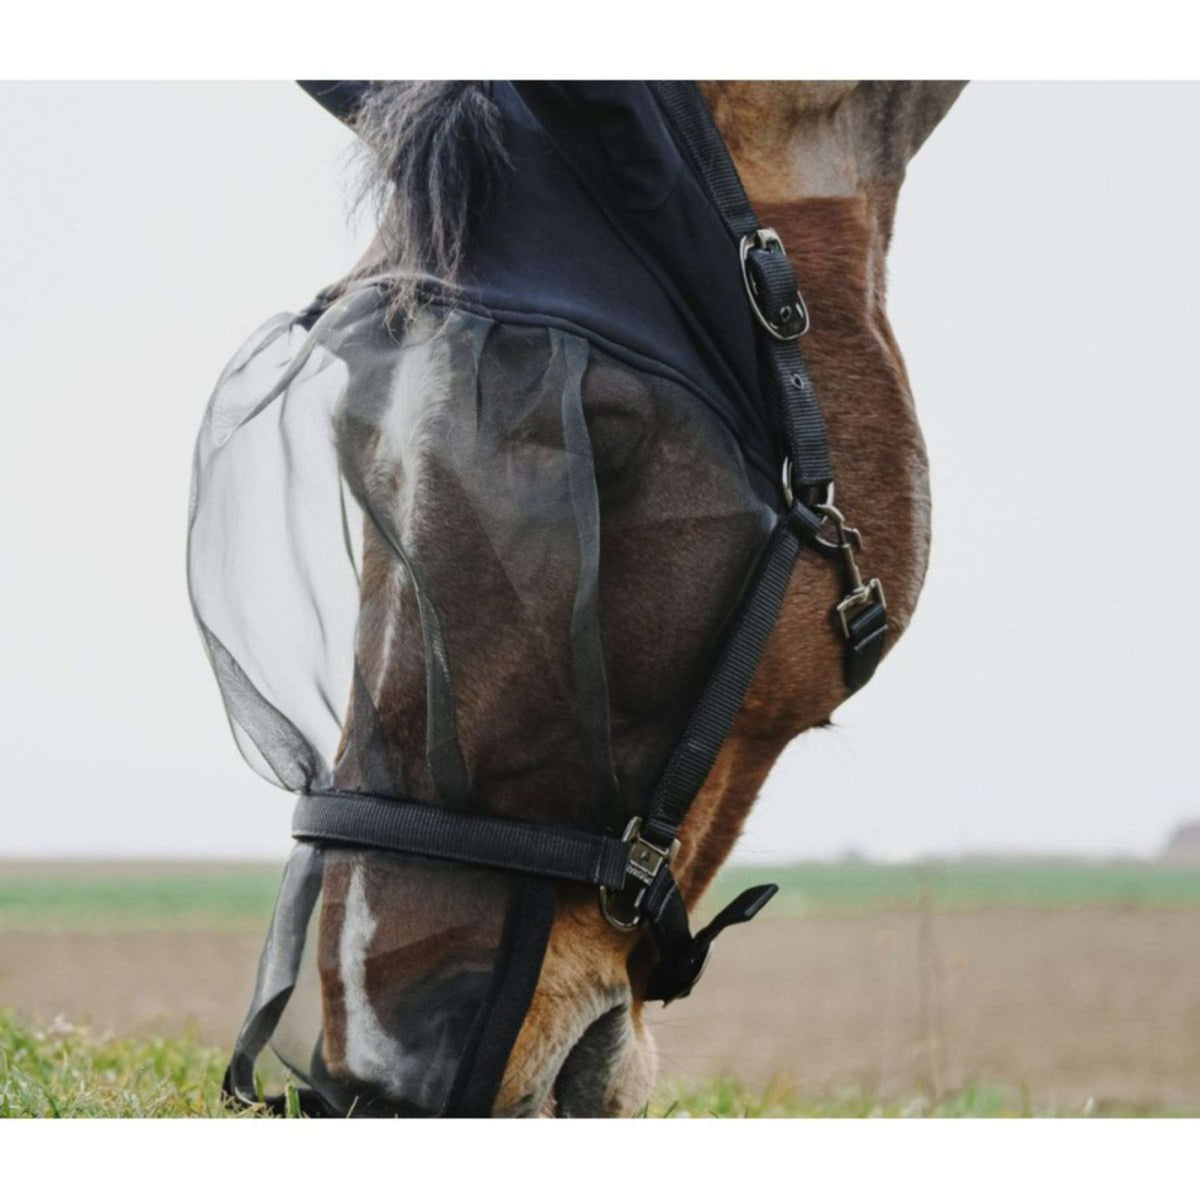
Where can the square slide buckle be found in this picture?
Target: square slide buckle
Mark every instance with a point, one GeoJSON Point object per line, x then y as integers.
{"type": "Point", "coordinates": [645, 861]}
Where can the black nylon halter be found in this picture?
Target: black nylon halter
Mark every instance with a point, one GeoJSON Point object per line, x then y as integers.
{"type": "Point", "coordinates": [634, 872]}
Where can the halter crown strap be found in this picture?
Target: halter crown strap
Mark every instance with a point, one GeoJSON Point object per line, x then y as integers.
{"type": "Point", "coordinates": [772, 291]}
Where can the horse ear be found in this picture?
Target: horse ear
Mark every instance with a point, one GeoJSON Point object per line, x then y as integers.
{"type": "Point", "coordinates": [341, 97]}
{"type": "Point", "coordinates": [914, 108]}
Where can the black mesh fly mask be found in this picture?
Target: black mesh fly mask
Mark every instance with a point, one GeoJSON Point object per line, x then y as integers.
{"type": "Point", "coordinates": [407, 543]}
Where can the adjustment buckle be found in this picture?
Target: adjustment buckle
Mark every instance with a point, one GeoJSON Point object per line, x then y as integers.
{"type": "Point", "coordinates": [859, 595]}
{"type": "Point", "coordinates": [645, 861]}
{"type": "Point", "coordinates": [792, 320]}
{"type": "Point", "coordinates": [860, 598]}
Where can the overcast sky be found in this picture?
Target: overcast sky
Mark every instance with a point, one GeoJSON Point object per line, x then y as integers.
{"type": "Point", "coordinates": [1044, 291]}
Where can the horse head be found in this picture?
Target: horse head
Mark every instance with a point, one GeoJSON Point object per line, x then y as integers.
{"type": "Point", "coordinates": [511, 661]}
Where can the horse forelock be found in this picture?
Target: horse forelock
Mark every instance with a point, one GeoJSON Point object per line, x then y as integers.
{"type": "Point", "coordinates": [432, 153]}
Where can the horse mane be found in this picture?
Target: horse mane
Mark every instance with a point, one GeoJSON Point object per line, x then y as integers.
{"type": "Point", "coordinates": [432, 154]}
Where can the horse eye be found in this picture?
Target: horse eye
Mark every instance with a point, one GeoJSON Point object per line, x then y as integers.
{"type": "Point", "coordinates": [621, 420]}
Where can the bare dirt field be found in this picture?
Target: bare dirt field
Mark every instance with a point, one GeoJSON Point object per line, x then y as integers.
{"type": "Point", "coordinates": [1072, 1004]}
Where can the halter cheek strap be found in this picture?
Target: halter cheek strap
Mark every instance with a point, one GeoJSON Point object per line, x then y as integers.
{"type": "Point", "coordinates": [781, 318]}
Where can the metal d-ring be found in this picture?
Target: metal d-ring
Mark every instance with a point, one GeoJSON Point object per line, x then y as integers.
{"type": "Point", "coordinates": [824, 506]}
{"type": "Point", "coordinates": [789, 495]}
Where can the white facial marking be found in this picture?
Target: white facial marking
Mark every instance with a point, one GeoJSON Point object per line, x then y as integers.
{"type": "Point", "coordinates": [419, 393]}
{"type": "Point", "coordinates": [371, 1054]}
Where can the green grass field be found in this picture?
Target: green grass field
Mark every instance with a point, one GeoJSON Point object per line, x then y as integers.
{"type": "Point", "coordinates": [160, 896]}
{"type": "Point", "coordinates": [223, 896]}
{"type": "Point", "coordinates": [67, 1072]}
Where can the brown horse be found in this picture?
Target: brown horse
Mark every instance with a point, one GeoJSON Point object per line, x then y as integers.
{"type": "Point", "coordinates": [822, 164]}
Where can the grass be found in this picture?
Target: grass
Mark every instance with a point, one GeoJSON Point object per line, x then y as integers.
{"type": "Point", "coordinates": [66, 1071]}
{"type": "Point", "coordinates": [239, 897]}
{"type": "Point", "coordinates": [729, 1098]}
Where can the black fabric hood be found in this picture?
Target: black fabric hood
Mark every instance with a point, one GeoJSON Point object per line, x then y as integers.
{"type": "Point", "coordinates": [624, 252]}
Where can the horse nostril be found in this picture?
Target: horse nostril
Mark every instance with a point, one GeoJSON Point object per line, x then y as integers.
{"type": "Point", "coordinates": [583, 1086]}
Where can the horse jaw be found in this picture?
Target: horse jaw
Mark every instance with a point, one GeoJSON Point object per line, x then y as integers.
{"type": "Point", "coordinates": [583, 1049]}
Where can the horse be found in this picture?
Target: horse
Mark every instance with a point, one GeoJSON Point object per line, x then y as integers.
{"type": "Point", "coordinates": [822, 163]}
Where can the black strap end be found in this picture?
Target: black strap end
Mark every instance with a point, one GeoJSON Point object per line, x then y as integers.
{"type": "Point", "coordinates": [749, 904]}
{"type": "Point", "coordinates": [683, 958]}
{"type": "Point", "coordinates": [865, 645]}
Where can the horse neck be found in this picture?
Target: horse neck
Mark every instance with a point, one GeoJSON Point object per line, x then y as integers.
{"type": "Point", "coordinates": [819, 170]}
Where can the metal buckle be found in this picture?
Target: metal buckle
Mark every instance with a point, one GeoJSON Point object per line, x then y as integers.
{"type": "Point", "coordinates": [849, 542]}
{"type": "Point", "coordinates": [645, 861]}
{"type": "Point", "coordinates": [768, 239]}
{"type": "Point", "coordinates": [870, 593]}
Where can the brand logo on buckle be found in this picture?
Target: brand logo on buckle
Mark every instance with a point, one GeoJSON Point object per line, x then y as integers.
{"type": "Point", "coordinates": [645, 861]}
